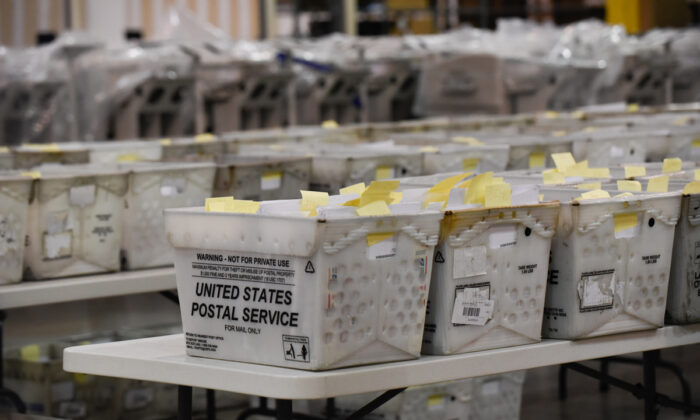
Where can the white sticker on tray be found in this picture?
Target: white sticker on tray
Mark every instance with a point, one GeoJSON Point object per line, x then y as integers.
{"type": "Point", "coordinates": [136, 398]}
{"type": "Point", "coordinates": [172, 186]}
{"type": "Point", "coordinates": [82, 195]}
{"type": "Point", "coordinates": [384, 247]}
{"type": "Point", "coordinates": [501, 236]}
{"type": "Point", "coordinates": [616, 152]}
{"type": "Point", "coordinates": [490, 388]}
{"type": "Point", "coordinates": [271, 180]}
{"type": "Point", "coordinates": [469, 261]}
{"type": "Point", "coordinates": [596, 290]}
{"type": "Point", "coordinates": [472, 307]}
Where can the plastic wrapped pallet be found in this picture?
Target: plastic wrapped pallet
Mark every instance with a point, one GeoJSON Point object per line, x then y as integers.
{"type": "Point", "coordinates": [75, 222]}
{"type": "Point", "coordinates": [500, 257]}
{"type": "Point", "coordinates": [261, 178]}
{"type": "Point", "coordinates": [610, 263]}
{"type": "Point", "coordinates": [481, 398]}
{"type": "Point", "coordinates": [341, 289]}
{"type": "Point", "coordinates": [14, 202]}
{"type": "Point", "coordinates": [154, 187]}
{"type": "Point", "coordinates": [31, 155]}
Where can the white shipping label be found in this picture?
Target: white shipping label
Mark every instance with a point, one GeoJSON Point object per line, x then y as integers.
{"type": "Point", "coordinates": [469, 262]}
{"type": "Point", "coordinates": [82, 196]}
{"type": "Point", "coordinates": [501, 236]}
{"type": "Point", "coordinates": [172, 186]}
{"type": "Point", "coordinates": [72, 409]}
{"type": "Point", "coordinates": [58, 245]}
{"type": "Point", "coordinates": [616, 152]}
{"type": "Point", "coordinates": [271, 180]}
{"type": "Point", "coordinates": [382, 249]}
{"type": "Point", "coordinates": [596, 290]}
{"type": "Point", "coordinates": [136, 398]}
{"type": "Point", "coordinates": [490, 388]}
{"type": "Point", "coordinates": [471, 309]}
{"type": "Point", "coordinates": [62, 391]}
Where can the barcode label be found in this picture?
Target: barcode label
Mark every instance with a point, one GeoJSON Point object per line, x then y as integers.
{"type": "Point", "coordinates": [471, 311]}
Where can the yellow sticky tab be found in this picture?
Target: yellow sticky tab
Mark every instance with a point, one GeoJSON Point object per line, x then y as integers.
{"type": "Point", "coordinates": [131, 157]}
{"type": "Point", "coordinates": [329, 124]}
{"type": "Point", "coordinates": [672, 165]}
{"type": "Point", "coordinates": [596, 173]}
{"type": "Point", "coordinates": [49, 147]}
{"type": "Point", "coordinates": [624, 194]}
{"type": "Point", "coordinates": [552, 177]}
{"type": "Point", "coordinates": [470, 164]}
{"type": "Point", "coordinates": [590, 195]}
{"type": "Point", "coordinates": [558, 133]}
{"type": "Point", "coordinates": [32, 174]}
{"type": "Point", "coordinates": [396, 197]}
{"type": "Point", "coordinates": [624, 185]}
{"type": "Point", "coordinates": [476, 192]}
{"type": "Point", "coordinates": [537, 160]}
{"type": "Point", "coordinates": [551, 114]}
{"type": "Point", "coordinates": [204, 138]}
{"type": "Point", "coordinates": [435, 400]}
{"type": "Point", "coordinates": [563, 161]}
{"type": "Point", "coordinates": [375, 238]}
{"type": "Point", "coordinates": [696, 143]}
{"type": "Point", "coordinates": [378, 190]}
{"type": "Point", "coordinates": [4, 149]}
{"type": "Point", "coordinates": [541, 197]}
{"type": "Point", "coordinates": [448, 183]}
{"type": "Point", "coordinates": [465, 184]}
{"type": "Point", "coordinates": [352, 203]}
{"type": "Point", "coordinates": [429, 149]}
{"type": "Point", "coordinates": [658, 184]}
{"type": "Point", "coordinates": [697, 175]}
{"type": "Point", "coordinates": [384, 172]}
{"type": "Point", "coordinates": [497, 195]}
{"type": "Point", "coordinates": [219, 204]}
{"type": "Point", "coordinates": [375, 208]}
{"type": "Point", "coordinates": [579, 169]}
{"type": "Point", "coordinates": [245, 206]}
{"type": "Point", "coordinates": [625, 221]}
{"type": "Point", "coordinates": [166, 142]}
{"type": "Point", "coordinates": [692, 187]}
{"type": "Point", "coordinates": [30, 353]}
{"type": "Point", "coordinates": [467, 140]}
{"type": "Point", "coordinates": [579, 115]}
{"type": "Point", "coordinates": [589, 129]}
{"type": "Point", "coordinates": [681, 121]}
{"type": "Point", "coordinates": [312, 199]}
{"type": "Point", "coordinates": [81, 378]}
{"type": "Point", "coordinates": [590, 186]}
{"type": "Point", "coordinates": [272, 175]}
{"type": "Point", "coordinates": [635, 171]}
{"type": "Point", "coordinates": [354, 189]}
{"type": "Point", "coordinates": [633, 108]}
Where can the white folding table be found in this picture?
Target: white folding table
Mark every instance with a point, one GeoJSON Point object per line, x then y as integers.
{"type": "Point", "coordinates": [163, 359]}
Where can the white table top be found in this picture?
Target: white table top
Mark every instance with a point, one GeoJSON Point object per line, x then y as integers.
{"type": "Point", "coordinates": [163, 359]}
{"type": "Point", "coordinates": [32, 293]}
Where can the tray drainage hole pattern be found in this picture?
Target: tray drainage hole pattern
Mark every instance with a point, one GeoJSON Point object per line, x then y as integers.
{"type": "Point", "coordinates": [648, 303]}
{"type": "Point", "coordinates": [532, 303]}
{"type": "Point", "coordinates": [405, 330]}
{"type": "Point", "coordinates": [402, 291]}
{"type": "Point", "coordinates": [361, 308]}
{"type": "Point", "coordinates": [655, 291]}
{"type": "Point", "coordinates": [344, 337]}
{"type": "Point", "coordinates": [512, 318]}
{"type": "Point", "coordinates": [348, 283]}
{"type": "Point", "coordinates": [514, 294]}
{"type": "Point", "coordinates": [395, 279]}
{"type": "Point", "coordinates": [354, 295]}
{"type": "Point", "coordinates": [645, 292]}
{"type": "Point", "coordinates": [637, 304]}
{"type": "Point", "coordinates": [661, 302]}
{"type": "Point", "coordinates": [328, 338]}
{"type": "Point", "coordinates": [526, 291]}
{"type": "Point", "coordinates": [333, 284]}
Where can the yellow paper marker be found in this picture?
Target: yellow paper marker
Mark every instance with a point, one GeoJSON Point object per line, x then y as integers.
{"type": "Point", "coordinates": [672, 165]}
{"type": "Point", "coordinates": [692, 187]}
{"type": "Point", "coordinates": [658, 184]}
{"type": "Point", "coordinates": [696, 143]}
{"type": "Point", "coordinates": [352, 203]}
{"type": "Point", "coordinates": [130, 157]}
{"type": "Point", "coordinates": [378, 190]}
{"type": "Point", "coordinates": [384, 172]}
{"type": "Point", "coordinates": [4, 149]}
{"type": "Point", "coordinates": [166, 142]}
{"type": "Point", "coordinates": [245, 206]}
{"type": "Point", "coordinates": [30, 353]}
{"type": "Point", "coordinates": [204, 138]}
{"type": "Point", "coordinates": [624, 185]}
{"type": "Point", "coordinates": [624, 194]}
{"type": "Point", "coordinates": [537, 160]}
{"type": "Point", "coordinates": [329, 124]}
{"type": "Point", "coordinates": [467, 140]}
{"type": "Point", "coordinates": [49, 147]}
{"type": "Point", "coordinates": [590, 186]}
{"type": "Point", "coordinates": [633, 108]}
{"type": "Point", "coordinates": [697, 175]}
{"type": "Point", "coordinates": [563, 161]}
{"type": "Point", "coordinates": [429, 149]}
{"type": "Point", "coordinates": [635, 171]}
{"type": "Point", "coordinates": [591, 195]}
{"type": "Point", "coordinates": [625, 221]}
{"type": "Point", "coordinates": [375, 208]}
{"type": "Point", "coordinates": [470, 164]}
{"type": "Point", "coordinates": [396, 197]}
{"type": "Point", "coordinates": [219, 204]}
{"type": "Point", "coordinates": [497, 195]}
{"type": "Point", "coordinates": [579, 169]}
{"type": "Point", "coordinates": [559, 133]}
{"type": "Point", "coordinates": [551, 114]}
{"type": "Point", "coordinates": [552, 177]}
{"type": "Point", "coordinates": [375, 238]}
{"type": "Point", "coordinates": [475, 193]}
{"type": "Point", "coordinates": [354, 189]}
{"type": "Point", "coordinates": [312, 199]}
{"type": "Point", "coordinates": [32, 174]}
{"type": "Point", "coordinates": [596, 173]}
{"type": "Point", "coordinates": [579, 115]}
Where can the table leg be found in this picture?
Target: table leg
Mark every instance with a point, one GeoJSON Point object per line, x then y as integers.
{"type": "Point", "coordinates": [283, 409]}
{"type": "Point", "coordinates": [650, 358]}
{"type": "Point", "coordinates": [211, 404]}
{"type": "Point", "coordinates": [184, 402]}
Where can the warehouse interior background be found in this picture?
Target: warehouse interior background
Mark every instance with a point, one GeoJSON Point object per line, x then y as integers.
{"type": "Point", "coordinates": [121, 24]}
